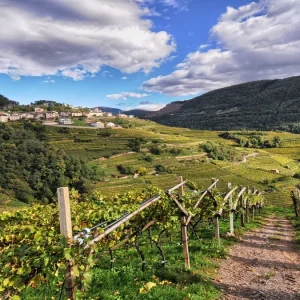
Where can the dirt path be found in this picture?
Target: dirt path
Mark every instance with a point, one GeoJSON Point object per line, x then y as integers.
{"type": "Point", "coordinates": [263, 265]}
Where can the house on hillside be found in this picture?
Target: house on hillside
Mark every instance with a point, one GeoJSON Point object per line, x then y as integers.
{"type": "Point", "coordinates": [27, 115]}
{"type": "Point", "coordinates": [110, 125]}
{"type": "Point", "coordinates": [95, 114]}
{"type": "Point", "coordinates": [14, 117]}
{"type": "Point", "coordinates": [64, 121]}
{"type": "Point", "coordinates": [39, 116]}
{"type": "Point", "coordinates": [122, 116]}
{"type": "Point", "coordinates": [76, 114]}
{"type": "Point", "coordinates": [108, 114]}
{"type": "Point", "coordinates": [97, 124]}
{"type": "Point", "coordinates": [51, 115]}
{"type": "Point", "coordinates": [276, 171]}
{"type": "Point", "coordinates": [3, 117]}
{"type": "Point", "coordinates": [38, 110]}
{"type": "Point", "coordinates": [130, 116]}
{"type": "Point", "coordinates": [65, 114]}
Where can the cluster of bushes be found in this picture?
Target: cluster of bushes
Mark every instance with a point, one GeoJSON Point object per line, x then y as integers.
{"type": "Point", "coordinates": [129, 170]}
{"type": "Point", "coordinates": [252, 140]}
{"type": "Point", "coordinates": [220, 151]}
{"type": "Point", "coordinates": [136, 144]}
{"type": "Point", "coordinates": [157, 150]}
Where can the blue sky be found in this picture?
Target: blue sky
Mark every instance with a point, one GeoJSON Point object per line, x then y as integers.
{"type": "Point", "coordinates": [142, 53]}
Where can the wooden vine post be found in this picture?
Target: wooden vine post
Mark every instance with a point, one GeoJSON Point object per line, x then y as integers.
{"type": "Point", "coordinates": [253, 207]}
{"type": "Point", "coordinates": [216, 220]}
{"type": "Point", "coordinates": [247, 205]}
{"type": "Point", "coordinates": [242, 204]}
{"type": "Point", "coordinates": [184, 236]}
{"type": "Point", "coordinates": [231, 212]}
{"type": "Point", "coordinates": [66, 230]}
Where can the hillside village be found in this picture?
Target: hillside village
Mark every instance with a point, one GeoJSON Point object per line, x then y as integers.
{"type": "Point", "coordinates": [64, 117]}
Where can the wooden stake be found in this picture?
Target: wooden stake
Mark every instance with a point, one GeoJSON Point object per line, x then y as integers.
{"type": "Point", "coordinates": [217, 228]}
{"type": "Point", "coordinates": [185, 243]}
{"type": "Point", "coordinates": [242, 211]}
{"type": "Point", "coordinates": [66, 230]}
{"type": "Point", "coordinates": [230, 212]}
{"type": "Point", "coordinates": [184, 236]}
{"type": "Point", "coordinates": [247, 206]}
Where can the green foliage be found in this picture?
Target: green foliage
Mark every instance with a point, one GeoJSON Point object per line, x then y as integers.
{"type": "Point", "coordinates": [31, 169]}
{"type": "Point", "coordinates": [33, 252]}
{"type": "Point", "coordinates": [156, 150]}
{"type": "Point", "coordinates": [220, 151]}
{"type": "Point", "coordinates": [252, 139]}
{"type": "Point", "coordinates": [126, 170]}
{"type": "Point", "coordinates": [135, 144]}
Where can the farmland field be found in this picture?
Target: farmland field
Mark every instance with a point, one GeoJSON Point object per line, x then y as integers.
{"type": "Point", "coordinates": [109, 148]}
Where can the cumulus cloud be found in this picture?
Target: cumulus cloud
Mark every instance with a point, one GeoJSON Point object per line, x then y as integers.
{"type": "Point", "coordinates": [75, 38]}
{"type": "Point", "coordinates": [49, 81]}
{"type": "Point", "coordinates": [255, 41]}
{"type": "Point", "coordinates": [75, 74]}
{"type": "Point", "coordinates": [124, 77]}
{"type": "Point", "coordinates": [125, 95]}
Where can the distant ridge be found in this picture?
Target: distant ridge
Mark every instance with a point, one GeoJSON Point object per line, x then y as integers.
{"type": "Point", "coordinates": [110, 109]}
{"type": "Point", "coordinates": [260, 105]}
{"type": "Point", "coordinates": [5, 103]}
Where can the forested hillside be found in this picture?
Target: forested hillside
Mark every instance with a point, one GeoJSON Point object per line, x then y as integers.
{"type": "Point", "coordinates": [31, 169]}
{"type": "Point", "coordinates": [263, 105]}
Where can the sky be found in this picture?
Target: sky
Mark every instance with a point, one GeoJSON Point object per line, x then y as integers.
{"type": "Point", "coordinates": [142, 54]}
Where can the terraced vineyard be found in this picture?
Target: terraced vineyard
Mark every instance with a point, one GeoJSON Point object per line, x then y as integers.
{"type": "Point", "coordinates": [109, 148]}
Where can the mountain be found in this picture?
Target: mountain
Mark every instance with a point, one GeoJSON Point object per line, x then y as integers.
{"type": "Point", "coordinates": [136, 112]}
{"type": "Point", "coordinates": [114, 111]}
{"type": "Point", "coordinates": [260, 105]}
{"type": "Point", "coordinates": [168, 109]}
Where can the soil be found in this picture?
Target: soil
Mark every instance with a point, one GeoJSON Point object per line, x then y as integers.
{"type": "Point", "coordinates": [265, 264]}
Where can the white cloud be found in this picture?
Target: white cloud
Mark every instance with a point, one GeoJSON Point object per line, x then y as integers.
{"type": "Point", "coordinates": [124, 77]}
{"type": "Point", "coordinates": [76, 74]}
{"type": "Point", "coordinates": [49, 81]}
{"type": "Point", "coordinates": [75, 38]}
{"type": "Point", "coordinates": [203, 46]}
{"type": "Point", "coordinates": [125, 95]}
{"type": "Point", "coordinates": [150, 107]}
{"type": "Point", "coordinates": [256, 41]}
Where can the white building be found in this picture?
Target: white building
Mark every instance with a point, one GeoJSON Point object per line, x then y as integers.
{"type": "Point", "coordinates": [14, 117]}
{"type": "Point", "coordinates": [38, 110]}
{"type": "Point", "coordinates": [65, 114]}
{"type": "Point", "coordinates": [64, 121]}
{"type": "Point", "coordinates": [95, 114]}
{"type": "Point", "coordinates": [3, 118]}
{"type": "Point", "coordinates": [76, 114]}
{"type": "Point", "coordinates": [39, 116]}
{"type": "Point", "coordinates": [108, 114]}
{"type": "Point", "coordinates": [97, 124]}
{"type": "Point", "coordinates": [51, 115]}
{"type": "Point", "coordinates": [110, 125]}
{"type": "Point", "coordinates": [27, 116]}
{"type": "Point", "coordinates": [122, 116]}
